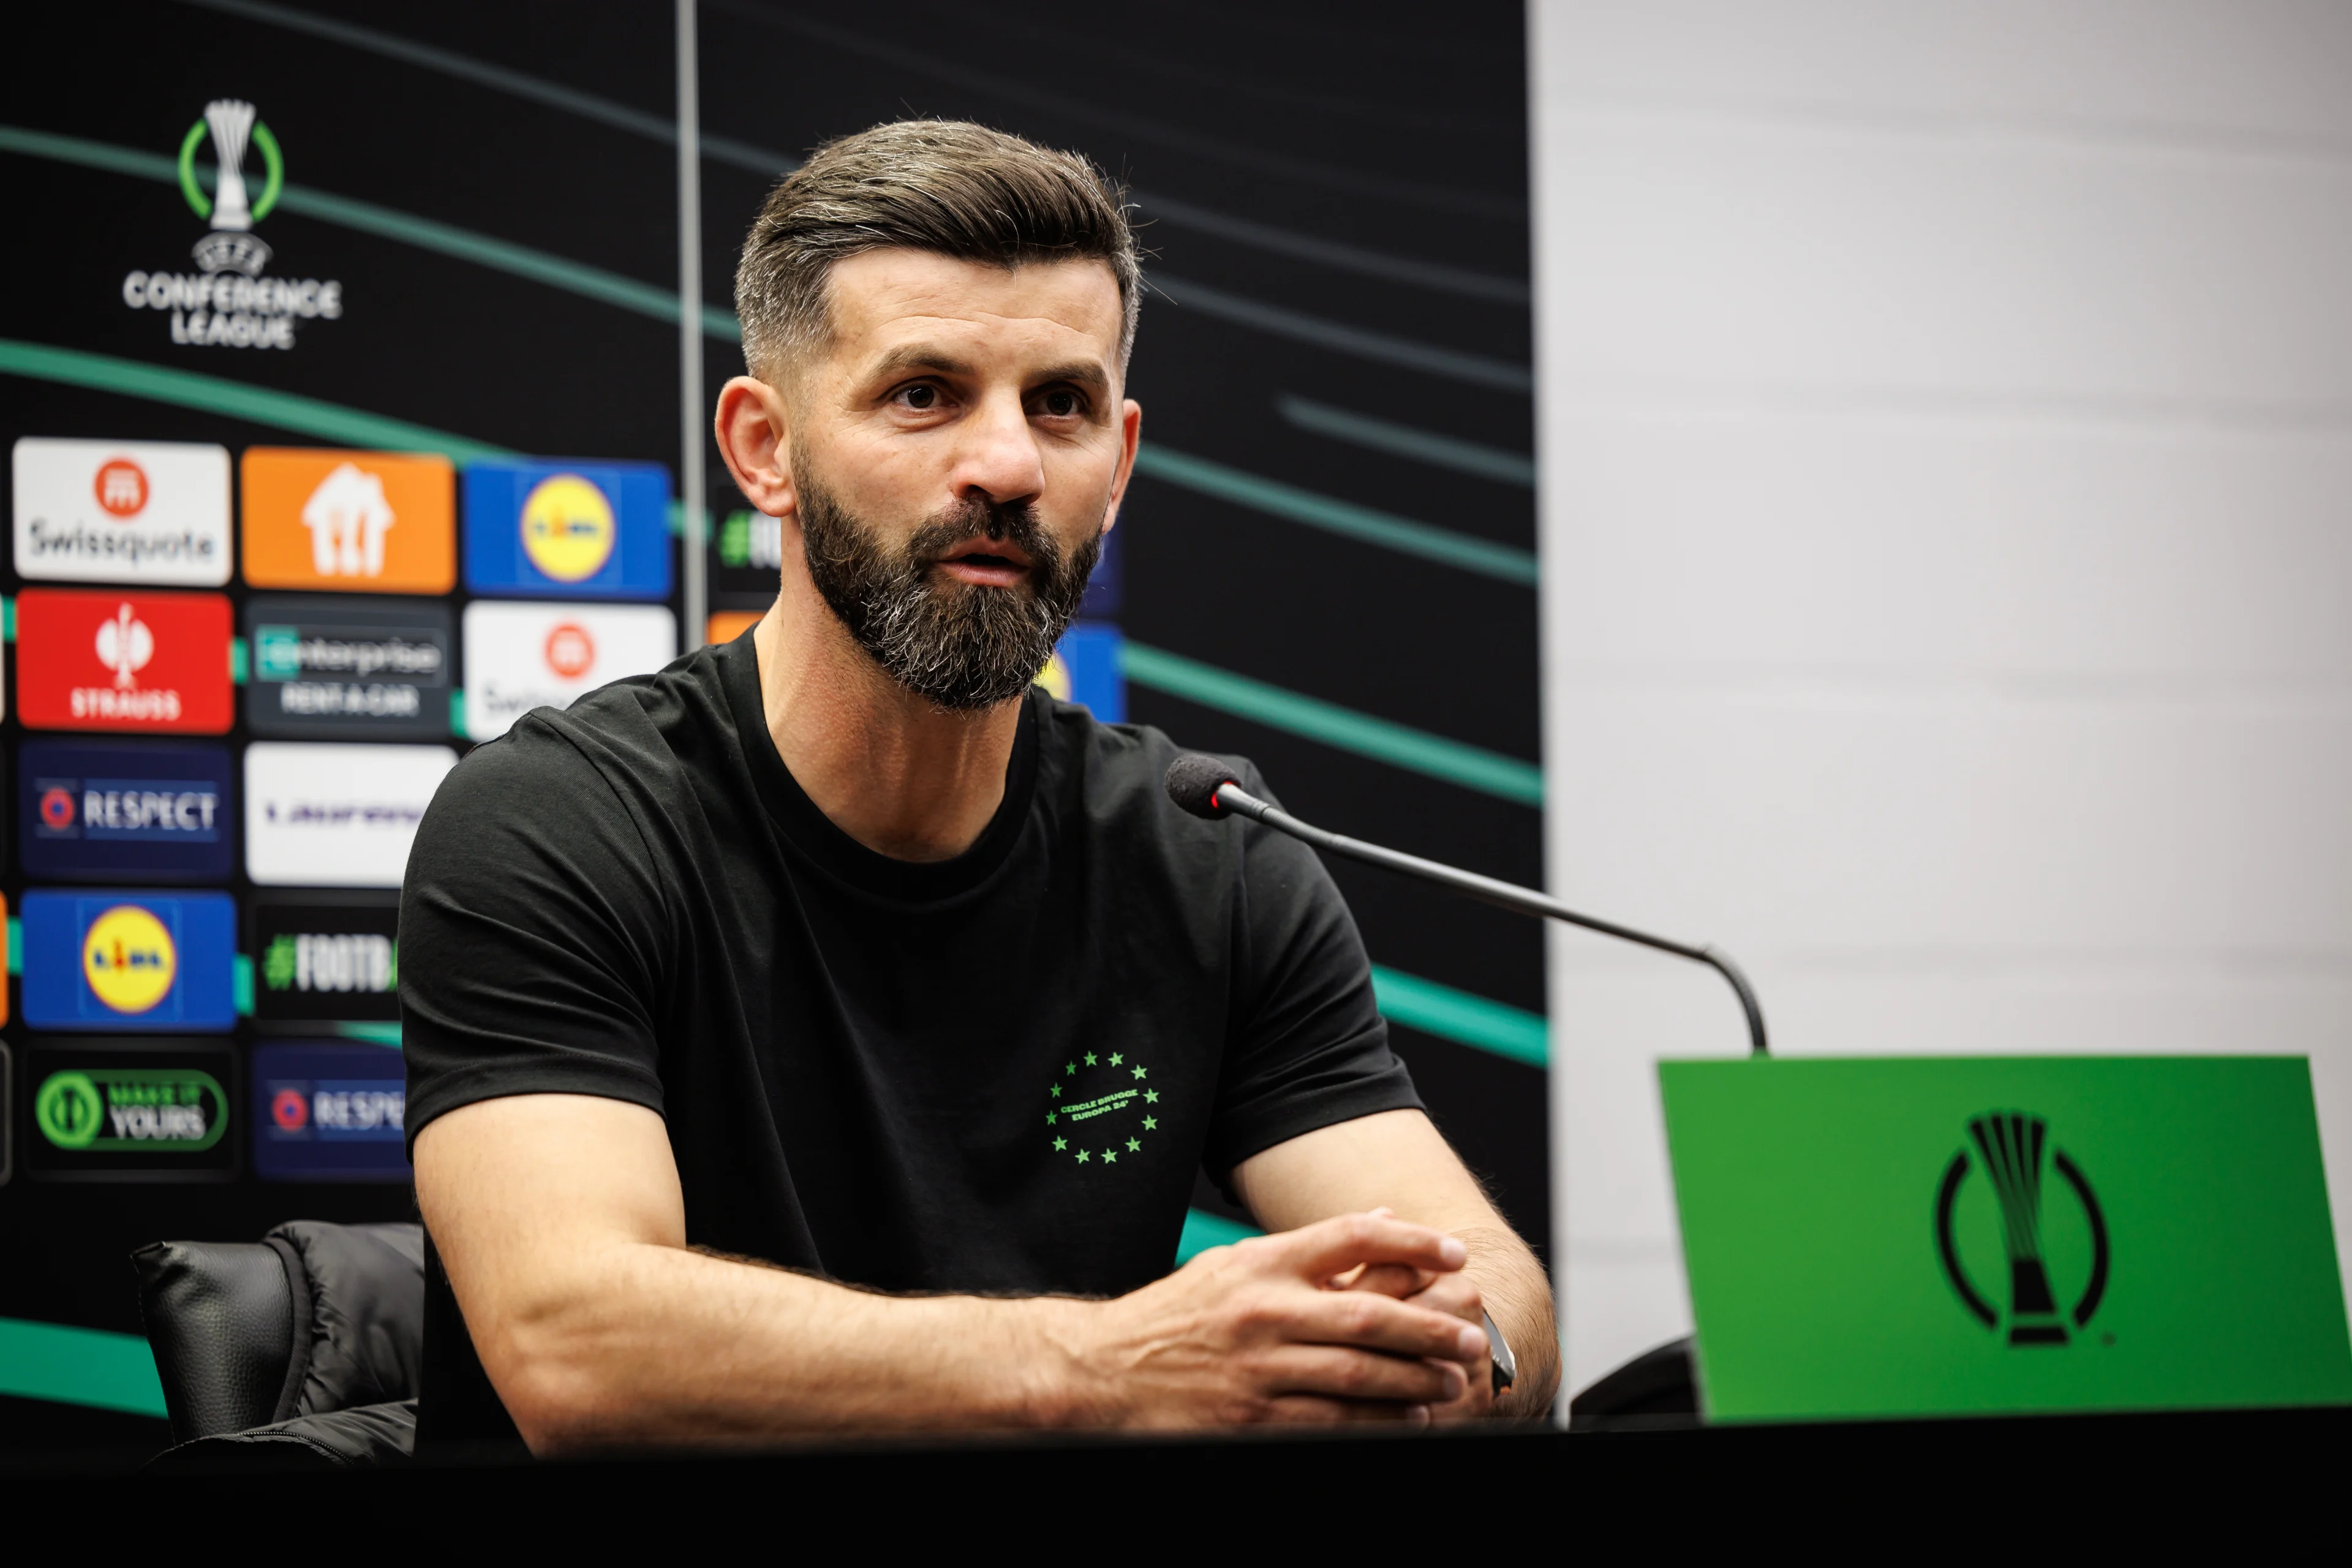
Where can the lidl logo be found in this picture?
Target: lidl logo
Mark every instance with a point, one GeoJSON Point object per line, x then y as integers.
{"type": "Point", "coordinates": [349, 520]}
{"type": "Point", "coordinates": [334, 665]}
{"type": "Point", "coordinates": [127, 661]}
{"type": "Point", "coordinates": [1084, 669]}
{"type": "Point", "coordinates": [143, 961]}
{"type": "Point", "coordinates": [122, 511]}
{"type": "Point", "coordinates": [128, 960]}
{"type": "Point", "coordinates": [139, 1110]}
{"type": "Point", "coordinates": [593, 531]}
{"type": "Point", "coordinates": [568, 529]}
{"type": "Point", "coordinates": [328, 1112]}
{"type": "Point", "coordinates": [111, 810]}
{"type": "Point", "coordinates": [521, 656]}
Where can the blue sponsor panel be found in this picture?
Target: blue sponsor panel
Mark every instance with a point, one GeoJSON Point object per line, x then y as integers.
{"type": "Point", "coordinates": [574, 530]}
{"type": "Point", "coordinates": [327, 1112]}
{"type": "Point", "coordinates": [142, 812]}
{"type": "Point", "coordinates": [1084, 669]}
{"type": "Point", "coordinates": [136, 959]}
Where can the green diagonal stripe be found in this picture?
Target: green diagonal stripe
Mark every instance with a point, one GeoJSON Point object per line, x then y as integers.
{"type": "Point", "coordinates": [1462, 1016]}
{"type": "Point", "coordinates": [1204, 1231]}
{"type": "Point", "coordinates": [1400, 745]}
{"type": "Point", "coordinates": [237, 399]}
{"type": "Point", "coordinates": [78, 1366]}
{"type": "Point", "coordinates": [1333, 516]}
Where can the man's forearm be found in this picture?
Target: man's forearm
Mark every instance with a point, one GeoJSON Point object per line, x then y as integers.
{"type": "Point", "coordinates": [647, 1343]}
{"type": "Point", "coordinates": [1518, 1298]}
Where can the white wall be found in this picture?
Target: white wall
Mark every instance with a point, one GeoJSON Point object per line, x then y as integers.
{"type": "Point", "coordinates": [1947, 444]}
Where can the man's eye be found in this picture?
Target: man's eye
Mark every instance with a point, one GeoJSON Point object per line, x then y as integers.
{"type": "Point", "coordinates": [923, 397]}
{"type": "Point", "coordinates": [1061, 405]}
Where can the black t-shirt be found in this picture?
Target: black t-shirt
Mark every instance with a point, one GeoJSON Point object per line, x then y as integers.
{"type": "Point", "coordinates": [996, 1073]}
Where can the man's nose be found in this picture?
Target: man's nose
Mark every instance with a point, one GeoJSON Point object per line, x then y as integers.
{"type": "Point", "coordinates": [997, 457]}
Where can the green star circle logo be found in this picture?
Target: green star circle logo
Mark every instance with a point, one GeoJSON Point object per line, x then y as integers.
{"type": "Point", "coordinates": [1101, 1107]}
{"type": "Point", "coordinates": [68, 1109]}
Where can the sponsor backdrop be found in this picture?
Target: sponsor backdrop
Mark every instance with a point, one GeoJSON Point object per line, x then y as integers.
{"type": "Point", "coordinates": [343, 402]}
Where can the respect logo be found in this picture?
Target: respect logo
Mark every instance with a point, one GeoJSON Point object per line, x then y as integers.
{"type": "Point", "coordinates": [112, 809]}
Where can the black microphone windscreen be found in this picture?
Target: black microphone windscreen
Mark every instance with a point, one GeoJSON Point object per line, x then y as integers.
{"type": "Point", "coordinates": [1192, 781]}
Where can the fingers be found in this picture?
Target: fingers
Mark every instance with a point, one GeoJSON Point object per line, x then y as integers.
{"type": "Point", "coordinates": [1391, 1279]}
{"type": "Point", "coordinates": [1456, 1295]}
{"type": "Point", "coordinates": [1322, 1249]}
{"type": "Point", "coordinates": [1366, 1319]}
{"type": "Point", "coordinates": [1313, 1410]}
{"type": "Point", "coordinates": [1339, 1372]}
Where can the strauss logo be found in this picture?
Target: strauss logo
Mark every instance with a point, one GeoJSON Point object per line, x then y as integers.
{"type": "Point", "coordinates": [125, 645]}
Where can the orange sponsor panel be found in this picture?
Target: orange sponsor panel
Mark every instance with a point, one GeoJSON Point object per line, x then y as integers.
{"type": "Point", "coordinates": [726, 625]}
{"type": "Point", "coordinates": [368, 523]}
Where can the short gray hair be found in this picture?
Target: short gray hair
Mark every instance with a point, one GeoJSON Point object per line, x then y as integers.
{"type": "Point", "coordinates": [946, 186]}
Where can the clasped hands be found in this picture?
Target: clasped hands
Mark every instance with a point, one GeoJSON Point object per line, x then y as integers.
{"type": "Point", "coordinates": [1361, 1317]}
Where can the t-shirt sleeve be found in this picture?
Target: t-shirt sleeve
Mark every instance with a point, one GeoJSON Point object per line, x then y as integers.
{"type": "Point", "coordinates": [530, 935]}
{"type": "Point", "coordinates": [1306, 1045]}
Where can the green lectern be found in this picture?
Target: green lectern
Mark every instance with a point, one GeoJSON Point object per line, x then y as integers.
{"type": "Point", "coordinates": [1940, 1237]}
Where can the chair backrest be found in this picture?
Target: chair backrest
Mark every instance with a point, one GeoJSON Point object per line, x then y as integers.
{"type": "Point", "coordinates": [314, 1318]}
{"type": "Point", "coordinates": [220, 1319]}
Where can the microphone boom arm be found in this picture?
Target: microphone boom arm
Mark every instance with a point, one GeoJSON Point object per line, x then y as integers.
{"type": "Point", "coordinates": [1232, 797]}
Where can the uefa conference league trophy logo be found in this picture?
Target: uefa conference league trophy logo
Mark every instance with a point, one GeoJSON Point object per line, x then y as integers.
{"type": "Point", "coordinates": [2009, 1145]}
{"type": "Point", "coordinates": [227, 303]}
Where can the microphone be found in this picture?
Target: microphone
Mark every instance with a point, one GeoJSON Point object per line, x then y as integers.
{"type": "Point", "coordinates": [1205, 786]}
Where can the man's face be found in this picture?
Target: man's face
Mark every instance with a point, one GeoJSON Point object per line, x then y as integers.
{"type": "Point", "coordinates": [956, 456]}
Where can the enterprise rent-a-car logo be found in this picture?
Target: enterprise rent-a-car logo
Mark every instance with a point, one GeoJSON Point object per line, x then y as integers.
{"type": "Point", "coordinates": [332, 666]}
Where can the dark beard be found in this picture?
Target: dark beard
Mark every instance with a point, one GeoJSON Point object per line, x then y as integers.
{"type": "Point", "coordinates": [963, 646]}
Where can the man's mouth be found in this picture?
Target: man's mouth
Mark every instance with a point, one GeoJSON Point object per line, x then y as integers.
{"type": "Point", "coordinates": [988, 562]}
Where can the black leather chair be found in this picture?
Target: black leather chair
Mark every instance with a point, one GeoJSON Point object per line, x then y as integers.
{"type": "Point", "coordinates": [303, 1350]}
{"type": "Point", "coordinates": [1657, 1389]}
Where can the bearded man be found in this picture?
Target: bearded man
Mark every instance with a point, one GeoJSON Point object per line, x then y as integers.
{"type": "Point", "coordinates": [822, 1035]}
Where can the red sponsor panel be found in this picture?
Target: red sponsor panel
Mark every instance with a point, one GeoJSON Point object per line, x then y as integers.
{"type": "Point", "coordinates": [124, 661]}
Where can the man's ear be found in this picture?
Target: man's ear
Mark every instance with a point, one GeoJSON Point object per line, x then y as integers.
{"type": "Point", "coordinates": [1130, 433]}
{"type": "Point", "coordinates": [754, 430]}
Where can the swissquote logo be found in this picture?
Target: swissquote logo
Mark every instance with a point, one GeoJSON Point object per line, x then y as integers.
{"type": "Point", "coordinates": [122, 511]}
{"type": "Point", "coordinates": [519, 656]}
{"type": "Point", "coordinates": [2010, 1145]}
{"type": "Point", "coordinates": [227, 301]}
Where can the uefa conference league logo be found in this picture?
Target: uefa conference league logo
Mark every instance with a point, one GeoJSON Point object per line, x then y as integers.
{"type": "Point", "coordinates": [2009, 1145]}
{"type": "Point", "coordinates": [227, 301]}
